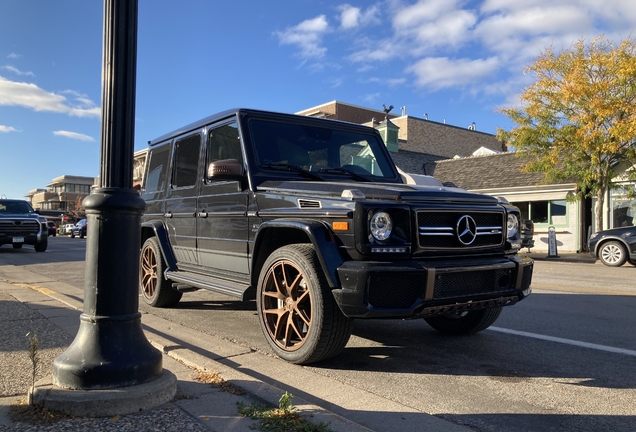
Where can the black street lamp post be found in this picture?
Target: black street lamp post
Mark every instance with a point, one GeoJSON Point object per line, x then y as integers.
{"type": "Point", "coordinates": [110, 349]}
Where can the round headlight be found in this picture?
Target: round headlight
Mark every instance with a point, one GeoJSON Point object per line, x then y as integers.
{"type": "Point", "coordinates": [513, 225]}
{"type": "Point", "coordinates": [381, 226]}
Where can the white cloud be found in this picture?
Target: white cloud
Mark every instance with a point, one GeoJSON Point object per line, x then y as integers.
{"type": "Point", "coordinates": [7, 129]}
{"type": "Point", "coordinates": [349, 16]}
{"type": "Point", "coordinates": [73, 135]}
{"type": "Point", "coordinates": [377, 51]}
{"type": "Point", "coordinates": [17, 71]}
{"type": "Point", "coordinates": [533, 22]}
{"type": "Point", "coordinates": [391, 82]}
{"type": "Point", "coordinates": [14, 56]}
{"type": "Point", "coordinates": [440, 72]}
{"type": "Point", "coordinates": [13, 93]}
{"type": "Point", "coordinates": [420, 29]}
{"type": "Point", "coordinates": [353, 17]}
{"type": "Point", "coordinates": [423, 11]}
{"type": "Point", "coordinates": [307, 36]}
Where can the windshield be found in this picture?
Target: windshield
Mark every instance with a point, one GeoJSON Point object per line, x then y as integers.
{"type": "Point", "coordinates": [321, 150]}
{"type": "Point", "coordinates": [15, 207]}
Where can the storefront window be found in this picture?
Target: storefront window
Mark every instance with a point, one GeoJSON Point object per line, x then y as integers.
{"type": "Point", "coordinates": [623, 212]}
{"type": "Point", "coordinates": [544, 212]}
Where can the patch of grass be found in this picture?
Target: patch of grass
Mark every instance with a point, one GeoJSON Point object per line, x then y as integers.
{"type": "Point", "coordinates": [34, 346]}
{"type": "Point", "coordinates": [285, 418]}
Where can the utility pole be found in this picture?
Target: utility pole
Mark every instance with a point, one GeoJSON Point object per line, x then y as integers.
{"type": "Point", "coordinates": [110, 349]}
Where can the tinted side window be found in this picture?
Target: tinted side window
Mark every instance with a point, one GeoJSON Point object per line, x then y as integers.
{"type": "Point", "coordinates": [157, 170]}
{"type": "Point", "coordinates": [186, 161]}
{"type": "Point", "coordinates": [224, 143]}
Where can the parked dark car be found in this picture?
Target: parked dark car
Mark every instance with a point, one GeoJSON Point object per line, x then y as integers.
{"type": "Point", "coordinates": [20, 225]}
{"type": "Point", "coordinates": [79, 229]}
{"type": "Point", "coordinates": [526, 229]}
{"type": "Point", "coordinates": [52, 228]}
{"type": "Point", "coordinates": [614, 246]}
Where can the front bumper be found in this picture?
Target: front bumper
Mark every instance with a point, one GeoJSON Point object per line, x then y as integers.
{"type": "Point", "coordinates": [410, 289]}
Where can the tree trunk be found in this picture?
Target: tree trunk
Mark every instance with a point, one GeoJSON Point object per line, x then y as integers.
{"type": "Point", "coordinates": [598, 209]}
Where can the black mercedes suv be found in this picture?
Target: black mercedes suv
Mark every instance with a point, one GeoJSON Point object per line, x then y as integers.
{"type": "Point", "coordinates": [311, 218]}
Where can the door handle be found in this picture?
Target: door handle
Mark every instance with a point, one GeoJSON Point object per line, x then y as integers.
{"type": "Point", "coordinates": [202, 214]}
{"type": "Point", "coordinates": [167, 215]}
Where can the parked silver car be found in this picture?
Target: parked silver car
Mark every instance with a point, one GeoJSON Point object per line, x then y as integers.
{"type": "Point", "coordinates": [66, 228]}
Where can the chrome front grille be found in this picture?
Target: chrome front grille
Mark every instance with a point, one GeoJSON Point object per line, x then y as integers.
{"type": "Point", "coordinates": [440, 229]}
{"type": "Point", "coordinates": [19, 227]}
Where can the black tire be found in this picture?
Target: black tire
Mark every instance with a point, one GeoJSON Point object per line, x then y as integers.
{"type": "Point", "coordinates": [41, 247]}
{"type": "Point", "coordinates": [72, 235]}
{"type": "Point", "coordinates": [612, 254]}
{"type": "Point", "coordinates": [632, 262]}
{"type": "Point", "coordinates": [303, 324]}
{"type": "Point", "coordinates": [156, 290]}
{"type": "Point", "coordinates": [82, 235]}
{"type": "Point", "coordinates": [17, 245]}
{"type": "Point", "coordinates": [465, 323]}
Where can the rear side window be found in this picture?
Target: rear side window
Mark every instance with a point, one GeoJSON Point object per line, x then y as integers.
{"type": "Point", "coordinates": [157, 170]}
{"type": "Point", "coordinates": [186, 161]}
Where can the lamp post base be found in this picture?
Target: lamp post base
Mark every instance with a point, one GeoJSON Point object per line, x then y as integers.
{"type": "Point", "coordinates": [106, 403]}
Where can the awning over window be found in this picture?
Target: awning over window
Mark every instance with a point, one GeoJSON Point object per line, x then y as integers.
{"type": "Point", "coordinates": [535, 196]}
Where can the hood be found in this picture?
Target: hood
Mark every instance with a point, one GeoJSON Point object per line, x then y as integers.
{"type": "Point", "coordinates": [20, 216]}
{"type": "Point", "coordinates": [378, 191]}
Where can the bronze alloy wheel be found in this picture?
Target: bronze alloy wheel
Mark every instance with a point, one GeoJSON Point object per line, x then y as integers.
{"type": "Point", "coordinates": [148, 272]}
{"type": "Point", "coordinates": [157, 290]}
{"type": "Point", "coordinates": [298, 314]}
{"type": "Point", "coordinates": [287, 305]}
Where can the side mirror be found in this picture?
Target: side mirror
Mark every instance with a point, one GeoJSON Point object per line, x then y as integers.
{"type": "Point", "coordinates": [226, 168]}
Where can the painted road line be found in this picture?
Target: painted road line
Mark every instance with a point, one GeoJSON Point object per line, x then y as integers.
{"type": "Point", "coordinates": [566, 341]}
{"type": "Point", "coordinates": [580, 290]}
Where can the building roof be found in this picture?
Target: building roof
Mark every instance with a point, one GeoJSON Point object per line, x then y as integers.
{"type": "Point", "coordinates": [502, 170]}
{"type": "Point", "coordinates": [343, 111]}
{"type": "Point", "coordinates": [414, 162]}
{"type": "Point", "coordinates": [71, 179]}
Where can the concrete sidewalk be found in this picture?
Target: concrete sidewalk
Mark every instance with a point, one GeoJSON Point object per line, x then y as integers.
{"type": "Point", "coordinates": [32, 303]}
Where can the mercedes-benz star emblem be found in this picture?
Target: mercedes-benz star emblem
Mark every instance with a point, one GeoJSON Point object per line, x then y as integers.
{"type": "Point", "coordinates": [466, 230]}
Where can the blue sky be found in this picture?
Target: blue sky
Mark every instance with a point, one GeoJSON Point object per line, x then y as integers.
{"type": "Point", "coordinates": [454, 60]}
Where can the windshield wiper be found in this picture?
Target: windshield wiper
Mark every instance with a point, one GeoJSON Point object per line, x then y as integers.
{"type": "Point", "coordinates": [289, 167]}
{"type": "Point", "coordinates": [353, 174]}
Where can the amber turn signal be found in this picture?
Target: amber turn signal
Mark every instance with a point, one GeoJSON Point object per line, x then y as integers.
{"type": "Point", "coordinates": [340, 226]}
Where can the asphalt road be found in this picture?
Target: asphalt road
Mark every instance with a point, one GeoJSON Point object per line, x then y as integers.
{"type": "Point", "coordinates": [562, 360]}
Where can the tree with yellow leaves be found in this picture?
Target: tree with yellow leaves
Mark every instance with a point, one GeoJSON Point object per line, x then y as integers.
{"type": "Point", "coordinates": [578, 119]}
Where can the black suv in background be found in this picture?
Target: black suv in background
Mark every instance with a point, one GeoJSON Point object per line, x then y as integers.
{"type": "Point", "coordinates": [52, 228]}
{"type": "Point", "coordinates": [20, 225]}
{"type": "Point", "coordinates": [311, 218]}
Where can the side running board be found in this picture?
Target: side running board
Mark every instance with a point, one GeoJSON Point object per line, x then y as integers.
{"type": "Point", "coordinates": [206, 282]}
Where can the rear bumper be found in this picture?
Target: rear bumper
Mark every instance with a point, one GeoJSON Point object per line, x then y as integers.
{"type": "Point", "coordinates": [411, 289]}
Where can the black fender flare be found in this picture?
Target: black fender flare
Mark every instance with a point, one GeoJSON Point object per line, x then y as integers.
{"type": "Point", "coordinates": [161, 234]}
{"type": "Point", "coordinates": [320, 237]}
